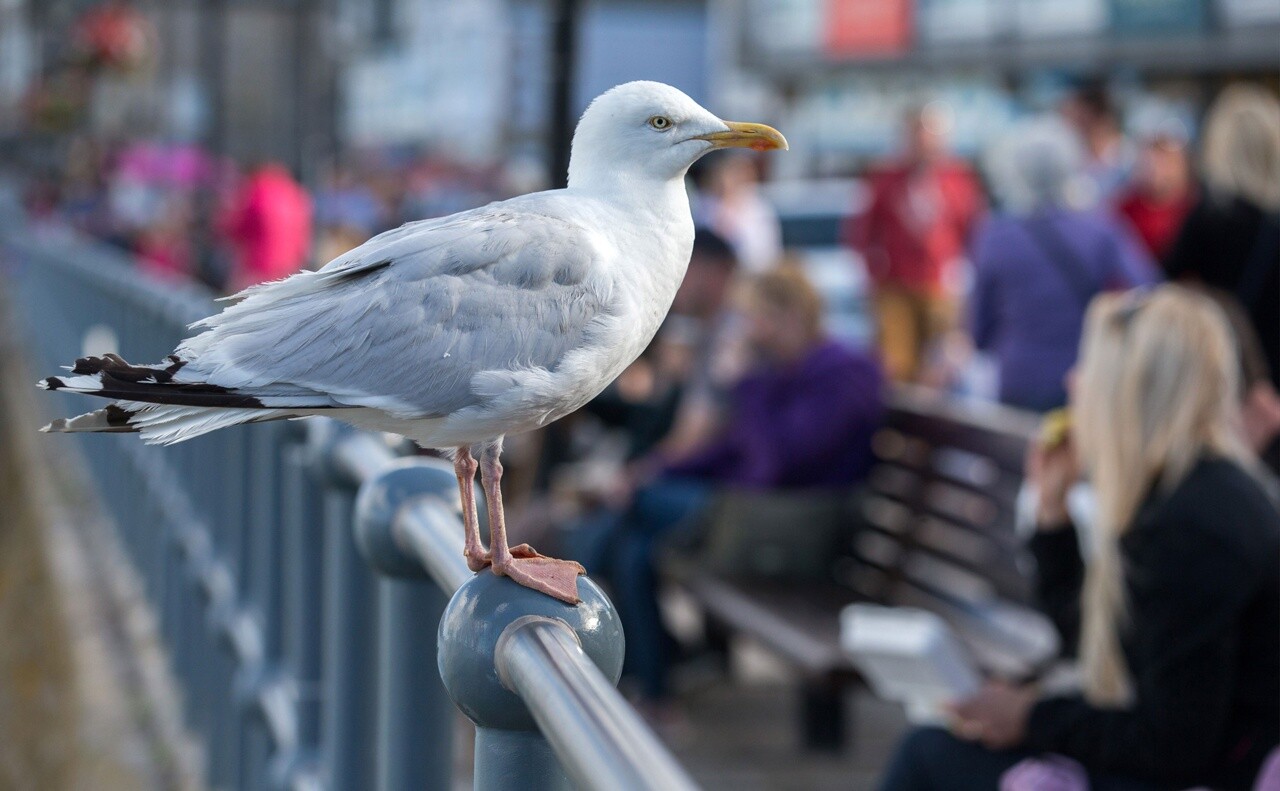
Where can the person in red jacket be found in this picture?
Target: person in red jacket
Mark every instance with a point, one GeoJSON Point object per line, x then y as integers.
{"type": "Point", "coordinates": [1162, 192]}
{"type": "Point", "coordinates": [912, 236]}
{"type": "Point", "coordinates": [269, 225]}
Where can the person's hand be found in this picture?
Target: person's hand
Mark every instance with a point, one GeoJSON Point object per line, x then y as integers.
{"type": "Point", "coordinates": [619, 491]}
{"type": "Point", "coordinates": [996, 717]}
{"type": "Point", "coordinates": [1260, 416]}
{"type": "Point", "coordinates": [633, 476]}
{"type": "Point", "coordinates": [1053, 468]}
{"type": "Point", "coordinates": [947, 360]}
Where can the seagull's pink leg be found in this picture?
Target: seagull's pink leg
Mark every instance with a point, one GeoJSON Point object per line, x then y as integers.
{"type": "Point", "coordinates": [556, 578]}
{"type": "Point", "coordinates": [464, 466]}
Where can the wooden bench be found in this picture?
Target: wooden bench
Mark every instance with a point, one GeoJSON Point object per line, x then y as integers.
{"type": "Point", "coordinates": [933, 527]}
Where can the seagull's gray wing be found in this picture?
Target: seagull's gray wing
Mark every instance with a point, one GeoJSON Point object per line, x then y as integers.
{"type": "Point", "coordinates": [405, 321]}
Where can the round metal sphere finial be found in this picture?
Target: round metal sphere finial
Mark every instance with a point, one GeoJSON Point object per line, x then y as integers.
{"type": "Point", "coordinates": [381, 498]}
{"type": "Point", "coordinates": [476, 618]}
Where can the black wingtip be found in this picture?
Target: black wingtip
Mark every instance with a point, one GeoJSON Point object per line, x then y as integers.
{"type": "Point", "coordinates": [117, 416]}
{"type": "Point", "coordinates": [111, 419]}
{"type": "Point", "coordinates": [50, 383]}
{"type": "Point", "coordinates": [120, 368]}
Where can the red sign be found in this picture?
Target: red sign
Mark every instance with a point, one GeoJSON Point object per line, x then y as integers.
{"type": "Point", "coordinates": [866, 28]}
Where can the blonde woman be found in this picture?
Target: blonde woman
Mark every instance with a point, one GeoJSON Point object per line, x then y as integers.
{"type": "Point", "coordinates": [1231, 239]}
{"type": "Point", "coordinates": [1177, 614]}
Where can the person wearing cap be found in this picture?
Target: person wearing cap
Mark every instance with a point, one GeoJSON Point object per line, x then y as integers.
{"type": "Point", "coordinates": [1162, 191]}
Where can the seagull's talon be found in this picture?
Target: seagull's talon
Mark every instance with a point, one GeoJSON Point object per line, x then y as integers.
{"type": "Point", "coordinates": [525, 551]}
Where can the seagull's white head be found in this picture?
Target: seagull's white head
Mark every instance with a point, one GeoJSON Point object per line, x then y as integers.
{"type": "Point", "coordinates": [647, 131]}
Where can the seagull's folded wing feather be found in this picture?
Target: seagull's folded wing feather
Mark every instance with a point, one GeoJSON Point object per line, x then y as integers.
{"type": "Point", "coordinates": [405, 321]}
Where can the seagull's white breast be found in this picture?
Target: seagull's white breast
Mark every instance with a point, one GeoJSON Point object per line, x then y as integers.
{"type": "Point", "coordinates": [643, 252]}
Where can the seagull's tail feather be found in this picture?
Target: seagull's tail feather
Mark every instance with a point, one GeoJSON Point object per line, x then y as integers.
{"type": "Point", "coordinates": [162, 408]}
{"type": "Point", "coordinates": [161, 424]}
{"type": "Point", "coordinates": [110, 376]}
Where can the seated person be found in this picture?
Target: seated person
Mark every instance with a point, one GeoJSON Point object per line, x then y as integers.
{"type": "Point", "coordinates": [801, 417]}
{"type": "Point", "coordinates": [651, 394]}
{"type": "Point", "coordinates": [1176, 613]}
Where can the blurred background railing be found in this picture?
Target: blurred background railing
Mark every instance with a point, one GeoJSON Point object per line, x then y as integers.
{"type": "Point", "coordinates": [260, 552]}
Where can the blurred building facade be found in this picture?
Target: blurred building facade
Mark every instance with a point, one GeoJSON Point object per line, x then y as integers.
{"type": "Point", "coordinates": [473, 79]}
{"type": "Point", "coordinates": [849, 68]}
{"type": "Point", "coordinates": [299, 80]}
{"type": "Point", "coordinates": [296, 80]}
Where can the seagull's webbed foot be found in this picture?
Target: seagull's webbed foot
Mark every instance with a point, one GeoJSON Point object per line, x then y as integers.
{"type": "Point", "coordinates": [532, 569]}
{"type": "Point", "coordinates": [556, 578]}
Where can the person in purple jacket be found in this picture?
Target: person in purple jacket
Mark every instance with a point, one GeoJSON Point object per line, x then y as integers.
{"type": "Point", "coordinates": [801, 418]}
{"type": "Point", "coordinates": [1038, 263]}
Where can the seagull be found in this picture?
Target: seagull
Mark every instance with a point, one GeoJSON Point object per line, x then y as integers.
{"type": "Point", "coordinates": [459, 330]}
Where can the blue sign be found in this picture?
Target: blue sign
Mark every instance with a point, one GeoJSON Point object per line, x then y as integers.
{"type": "Point", "coordinates": [1139, 17]}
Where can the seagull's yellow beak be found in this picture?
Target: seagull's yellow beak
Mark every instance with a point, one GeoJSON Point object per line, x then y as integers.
{"type": "Point", "coordinates": [739, 135]}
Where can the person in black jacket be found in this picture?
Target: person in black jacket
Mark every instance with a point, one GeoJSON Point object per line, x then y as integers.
{"type": "Point", "coordinates": [1176, 614]}
{"type": "Point", "coordinates": [1231, 238]}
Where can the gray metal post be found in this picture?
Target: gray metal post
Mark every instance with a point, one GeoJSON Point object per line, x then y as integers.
{"type": "Point", "coordinates": [346, 729]}
{"type": "Point", "coordinates": [347, 755]}
{"type": "Point", "coordinates": [224, 740]}
{"type": "Point", "coordinates": [215, 583]}
{"type": "Point", "coordinates": [194, 548]}
{"type": "Point", "coordinates": [346, 458]}
{"type": "Point", "coordinates": [261, 574]}
{"type": "Point", "coordinates": [301, 641]}
{"type": "Point", "coordinates": [511, 752]}
{"type": "Point", "coordinates": [415, 718]}
{"type": "Point", "coordinates": [516, 761]}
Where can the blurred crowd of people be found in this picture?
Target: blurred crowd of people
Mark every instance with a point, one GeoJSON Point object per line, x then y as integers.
{"type": "Point", "coordinates": [184, 214]}
{"type": "Point", "coordinates": [1080, 207]}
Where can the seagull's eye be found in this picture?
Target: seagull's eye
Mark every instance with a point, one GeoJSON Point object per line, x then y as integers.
{"type": "Point", "coordinates": [660, 122]}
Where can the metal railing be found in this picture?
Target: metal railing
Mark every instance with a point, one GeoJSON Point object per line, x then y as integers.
{"type": "Point", "coordinates": [309, 582]}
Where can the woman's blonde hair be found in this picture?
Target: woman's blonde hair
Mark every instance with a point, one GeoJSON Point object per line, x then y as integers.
{"type": "Point", "coordinates": [788, 289]}
{"type": "Point", "coordinates": [1156, 390]}
{"type": "Point", "coordinates": [1241, 155]}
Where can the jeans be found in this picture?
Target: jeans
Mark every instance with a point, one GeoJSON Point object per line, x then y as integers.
{"type": "Point", "coordinates": [931, 759]}
{"type": "Point", "coordinates": [622, 547]}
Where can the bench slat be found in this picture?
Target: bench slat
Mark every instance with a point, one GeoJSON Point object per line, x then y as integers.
{"type": "Point", "coordinates": [800, 623]}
